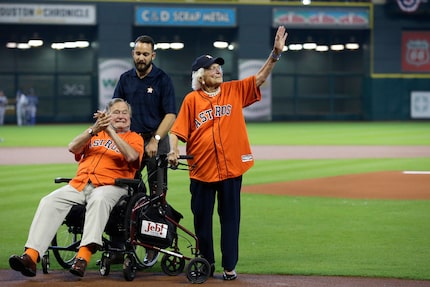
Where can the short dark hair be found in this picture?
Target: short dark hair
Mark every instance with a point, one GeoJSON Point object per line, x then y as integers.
{"type": "Point", "coordinates": [145, 39]}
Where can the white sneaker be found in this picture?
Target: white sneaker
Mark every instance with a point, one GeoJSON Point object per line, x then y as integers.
{"type": "Point", "coordinates": [151, 258]}
{"type": "Point", "coordinates": [231, 276]}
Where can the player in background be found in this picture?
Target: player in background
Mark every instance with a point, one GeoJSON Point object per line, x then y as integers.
{"type": "Point", "coordinates": [3, 105]}
{"type": "Point", "coordinates": [212, 124]}
{"type": "Point", "coordinates": [105, 151]}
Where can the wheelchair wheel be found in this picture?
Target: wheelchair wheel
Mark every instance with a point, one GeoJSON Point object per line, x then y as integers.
{"type": "Point", "coordinates": [198, 270]}
{"type": "Point", "coordinates": [105, 263]}
{"type": "Point", "coordinates": [129, 268]}
{"type": "Point", "coordinates": [139, 252]}
{"type": "Point", "coordinates": [45, 263]}
{"type": "Point", "coordinates": [65, 244]}
{"type": "Point", "coordinates": [172, 265]}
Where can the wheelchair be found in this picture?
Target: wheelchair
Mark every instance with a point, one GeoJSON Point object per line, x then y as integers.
{"type": "Point", "coordinates": [66, 241]}
{"type": "Point", "coordinates": [124, 241]}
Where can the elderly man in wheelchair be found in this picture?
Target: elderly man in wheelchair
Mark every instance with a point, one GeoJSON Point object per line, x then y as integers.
{"type": "Point", "coordinates": [106, 151]}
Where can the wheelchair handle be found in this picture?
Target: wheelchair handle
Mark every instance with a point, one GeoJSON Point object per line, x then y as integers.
{"type": "Point", "coordinates": [186, 156]}
{"type": "Point", "coordinates": [62, 179]}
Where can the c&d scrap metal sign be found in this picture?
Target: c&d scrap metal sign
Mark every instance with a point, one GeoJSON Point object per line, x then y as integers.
{"type": "Point", "coordinates": [178, 16]}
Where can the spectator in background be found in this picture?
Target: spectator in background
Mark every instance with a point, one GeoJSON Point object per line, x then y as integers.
{"type": "Point", "coordinates": [21, 108]}
{"type": "Point", "coordinates": [3, 105]}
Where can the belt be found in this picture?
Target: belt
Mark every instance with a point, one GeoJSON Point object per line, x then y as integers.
{"type": "Point", "coordinates": [146, 135]}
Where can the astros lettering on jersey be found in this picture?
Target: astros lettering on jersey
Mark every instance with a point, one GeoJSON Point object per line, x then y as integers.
{"type": "Point", "coordinates": [231, 154]}
{"type": "Point", "coordinates": [108, 167]}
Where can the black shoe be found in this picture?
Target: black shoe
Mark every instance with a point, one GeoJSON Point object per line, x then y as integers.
{"type": "Point", "coordinates": [78, 267]}
{"type": "Point", "coordinates": [231, 276]}
{"type": "Point", "coordinates": [212, 270]}
{"type": "Point", "coordinates": [23, 264]}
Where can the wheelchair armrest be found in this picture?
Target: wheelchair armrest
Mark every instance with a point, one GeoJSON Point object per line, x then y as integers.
{"type": "Point", "coordinates": [62, 179]}
{"type": "Point", "coordinates": [127, 181]}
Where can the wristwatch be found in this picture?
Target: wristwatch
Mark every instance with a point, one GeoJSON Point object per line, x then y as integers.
{"type": "Point", "coordinates": [157, 138]}
{"type": "Point", "coordinates": [91, 132]}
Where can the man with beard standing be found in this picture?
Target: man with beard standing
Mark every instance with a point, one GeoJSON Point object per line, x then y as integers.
{"type": "Point", "coordinates": [150, 92]}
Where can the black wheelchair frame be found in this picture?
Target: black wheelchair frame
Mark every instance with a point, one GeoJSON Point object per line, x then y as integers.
{"type": "Point", "coordinates": [173, 261]}
{"type": "Point", "coordinates": [123, 246]}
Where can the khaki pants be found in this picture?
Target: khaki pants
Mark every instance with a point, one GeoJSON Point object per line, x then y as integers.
{"type": "Point", "coordinates": [54, 207]}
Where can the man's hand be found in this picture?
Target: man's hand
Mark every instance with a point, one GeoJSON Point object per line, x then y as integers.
{"type": "Point", "coordinates": [102, 122]}
{"type": "Point", "coordinates": [152, 147]}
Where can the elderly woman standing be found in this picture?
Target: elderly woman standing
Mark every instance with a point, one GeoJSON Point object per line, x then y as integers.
{"type": "Point", "coordinates": [212, 124]}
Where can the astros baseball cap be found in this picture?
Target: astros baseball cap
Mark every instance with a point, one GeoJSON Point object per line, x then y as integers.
{"type": "Point", "coordinates": [205, 61]}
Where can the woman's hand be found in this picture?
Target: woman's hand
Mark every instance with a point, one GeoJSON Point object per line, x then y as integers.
{"type": "Point", "coordinates": [280, 38]}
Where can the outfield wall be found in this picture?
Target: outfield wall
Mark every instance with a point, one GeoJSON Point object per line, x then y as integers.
{"type": "Point", "coordinates": [365, 84]}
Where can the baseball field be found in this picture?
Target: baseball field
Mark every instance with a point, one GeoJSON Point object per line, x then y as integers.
{"type": "Point", "coordinates": [323, 199]}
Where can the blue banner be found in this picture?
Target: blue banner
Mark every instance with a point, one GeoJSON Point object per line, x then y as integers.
{"type": "Point", "coordinates": [191, 17]}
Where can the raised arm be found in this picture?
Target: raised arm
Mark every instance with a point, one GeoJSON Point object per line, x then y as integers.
{"type": "Point", "coordinates": [278, 46]}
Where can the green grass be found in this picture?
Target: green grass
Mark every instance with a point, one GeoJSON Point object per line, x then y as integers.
{"type": "Point", "coordinates": [279, 234]}
{"type": "Point", "coordinates": [285, 133]}
{"type": "Point", "coordinates": [267, 171]}
{"type": "Point", "coordinates": [319, 236]}
{"type": "Point", "coordinates": [39, 135]}
{"type": "Point", "coordinates": [340, 133]}
{"type": "Point", "coordinates": [293, 235]}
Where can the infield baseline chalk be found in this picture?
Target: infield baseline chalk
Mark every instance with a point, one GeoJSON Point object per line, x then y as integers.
{"type": "Point", "coordinates": [416, 172]}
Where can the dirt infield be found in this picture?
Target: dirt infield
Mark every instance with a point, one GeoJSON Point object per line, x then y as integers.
{"type": "Point", "coordinates": [381, 185]}
{"type": "Point", "coordinates": [376, 185]}
{"type": "Point", "coordinates": [115, 279]}
{"type": "Point", "coordinates": [11, 155]}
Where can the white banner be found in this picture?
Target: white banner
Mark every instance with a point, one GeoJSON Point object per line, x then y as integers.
{"type": "Point", "coordinates": [109, 72]}
{"type": "Point", "coordinates": [420, 105]}
{"type": "Point", "coordinates": [154, 229]}
{"type": "Point", "coordinates": [48, 14]}
{"type": "Point", "coordinates": [262, 110]}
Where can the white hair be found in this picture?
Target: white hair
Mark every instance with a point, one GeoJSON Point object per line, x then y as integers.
{"type": "Point", "coordinates": [196, 76]}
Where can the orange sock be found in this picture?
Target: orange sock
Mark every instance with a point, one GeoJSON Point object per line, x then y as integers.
{"type": "Point", "coordinates": [34, 255]}
{"type": "Point", "coordinates": [85, 253]}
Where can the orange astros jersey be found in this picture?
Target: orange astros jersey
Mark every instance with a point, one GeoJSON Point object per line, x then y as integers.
{"type": "Point", "coordinates": [102, 162]}
{"type": "Point", "coordinates": [215, 131]}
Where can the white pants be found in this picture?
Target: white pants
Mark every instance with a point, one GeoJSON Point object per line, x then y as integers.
{"type": "Point", "coordinates": [54, 207]}
{"type": "Point", "coordinates": [21, 117]}
{"type": "Point", "coordinates": [2, 114]}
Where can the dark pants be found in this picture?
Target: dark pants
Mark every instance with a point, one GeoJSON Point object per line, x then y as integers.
{"type": "Point", "coordinates": [151, 164]}
{"type": "Point", "coordinates": [202, 206]}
